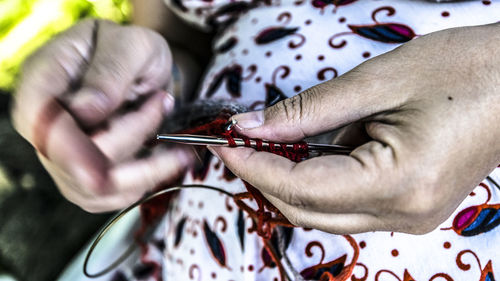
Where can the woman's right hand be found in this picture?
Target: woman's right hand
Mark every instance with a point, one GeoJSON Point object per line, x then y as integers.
{"type": "Point", "coordinates": [72, 105]}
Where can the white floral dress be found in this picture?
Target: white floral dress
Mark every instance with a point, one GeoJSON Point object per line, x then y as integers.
{"type": "Point", "coordinates": [268, 50]}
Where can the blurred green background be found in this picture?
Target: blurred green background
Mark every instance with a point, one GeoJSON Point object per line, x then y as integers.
{"type": "Point", "coordinates": [27, 24]}
{"type": "Point", "coordinates": [40, 231]}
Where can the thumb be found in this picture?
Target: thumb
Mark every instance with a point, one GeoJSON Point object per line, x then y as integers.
{"type": "Point", "coordinates": [319, 109]}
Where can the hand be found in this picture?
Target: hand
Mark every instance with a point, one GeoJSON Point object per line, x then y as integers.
{"type": "Point", "coordinates": [71, 104]}
{"type": "Point", "coordinates": [430, 112]}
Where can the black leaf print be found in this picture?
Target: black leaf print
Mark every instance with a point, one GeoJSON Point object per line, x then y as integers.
{"type": "Point", "coordinates": [119, 276]}
{"type": "Point", "coordinates": [232, 76]}
{"type": "Point", "coordinates": [287, 233]}
{"type": "Point", "coordinates": [179, 231]}
{"type": "Point", "coordinates": [233, 82]}
{"type": "Point", "coordinates": [142, 271]}
{"type": "Point", "coordinates": [215, 84]}
{"type": "Point", "coordinates": [228, 175]}
{"type": "Point", "coordinates": [227, 45]}
{"type": "Point", "coordinates": [271, 34]}
{"type": "Point", "coordinates": [200, 171]}
{"type": "Point", "coordinates": [322, 271]}
{"type": "Point", "coordinates": [267, 260]}
{"type": "Point", "coordinates": [234, 8]}
{"type": "Point", "coordinates": [323, 3]}
{"type": "Point", "coordinates": [215, 245]}
{"type": "Point", "coordinates": [228, 14]}
{"type": "Point", "coordinates": [179, 5]}
{"type": "Point", "coordinates": [386, 32]}
{"type": "Point", "coordinates": [265, 255]}
{"type": "Point", "coordinates": [159, 244]}
{"type": "Point", "coordinates": [241, 229]}
{"type": "Point", "coordinates": [273, 95]}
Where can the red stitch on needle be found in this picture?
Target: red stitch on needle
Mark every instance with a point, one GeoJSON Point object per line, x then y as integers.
{"type": "Point", "coordinates": [266, 215]}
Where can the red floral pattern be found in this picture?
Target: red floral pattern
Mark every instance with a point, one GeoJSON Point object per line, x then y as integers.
{"type": "Point", "coordinates": [265, 52]}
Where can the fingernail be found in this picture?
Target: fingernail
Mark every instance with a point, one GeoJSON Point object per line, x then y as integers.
{"type": "Point", "coordinates": [249, 120]}
{"type": "Point", "coordinates": [90, 98]}
{"type": "Point", "coordinates": [168, 102]}
{"type": "Point", "coordinates": [212, 150]}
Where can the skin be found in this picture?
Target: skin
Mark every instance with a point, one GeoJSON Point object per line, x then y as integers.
{"type": "Point", "coordinates": [423, 119]}
{"type": "Point", "coordinates": [71, 100]}
{"type": "Point", "coordinates": [427, 115]}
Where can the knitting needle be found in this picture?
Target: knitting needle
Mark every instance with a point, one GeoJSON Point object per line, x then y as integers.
{"type": "Point", "coordinates": [218, 141]}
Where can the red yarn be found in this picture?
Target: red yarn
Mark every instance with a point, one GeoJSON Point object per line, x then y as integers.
{"type": "Point", "coordinates": [297, 153]}
{"type": "Point", "coordinates": [267, 216]}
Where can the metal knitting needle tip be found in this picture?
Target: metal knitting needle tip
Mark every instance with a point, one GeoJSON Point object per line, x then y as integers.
{"type": "Point", "coordinates": [230, 124]}
{"type": "Point", "coordinates": [218, 141]}
{"type": "Point", "coordinates": [193, 139]}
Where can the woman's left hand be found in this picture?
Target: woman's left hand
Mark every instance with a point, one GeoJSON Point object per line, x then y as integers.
{"type": "Point", "coordinates": [430, 110]}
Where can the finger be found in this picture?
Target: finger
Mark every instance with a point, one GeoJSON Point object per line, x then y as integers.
{"type": "Point", "coordinates": [47, 74]}
{"type": "Point", "coordinates": [162, 166]}
{"type": "Point", "coordinates": [66, 146]}
{"type": "Point", "coordinates": [126, 134]}
{"type": "Point", "coordinates": [129, 181]}
{"type": "Point", "coordinates": [99, 203]}
{"type": "Point", "coordinates": [336, 223]}
{"type": "Point", "coordinates": [128, 61]}
{"type": "Point", "coordinates": [41, 118]}
{"type": "Point", "coordinates": [329, 105]}
{"type": "Point", "coordinates": [330, 183]}
{"type": "Point", "coordinates": [76, 193]}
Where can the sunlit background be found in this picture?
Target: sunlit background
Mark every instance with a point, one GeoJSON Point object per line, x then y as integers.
{"type": "Point", "coordinates": [26, 24]}
{"type": "Point", "coordinates": [40, 232]}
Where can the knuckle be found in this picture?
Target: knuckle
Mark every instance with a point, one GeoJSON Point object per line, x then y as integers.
{"type": "Point", "coordinates": [300, 107]}
{"type": "Point", "coordinates": [112, 70]}
{"type": "Point", "coordinates": [294, 108]}
{"type": "Point", "coordinates": [311, 96]}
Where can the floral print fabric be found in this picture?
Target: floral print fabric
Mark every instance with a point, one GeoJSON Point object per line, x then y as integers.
{"type": "Point", "coordinates": [266, 51]}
